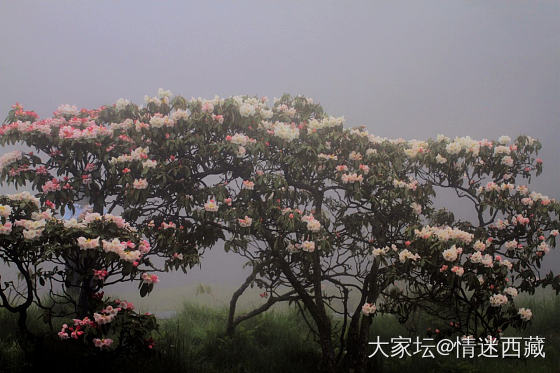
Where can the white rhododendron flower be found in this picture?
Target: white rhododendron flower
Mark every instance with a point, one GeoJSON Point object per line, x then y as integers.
{"type": "Point", "coordinates": [355, 156]}
{"type": "Point", "coordinates": [502, 150]}
{"type": "Point", "coordinates": [138, 154]}
{"type": "Point", "coordinates": [452, 253]}
{"type": "Point", "coordinates": [440, 159]}
{"type": "Point", "coordinates": [380, 251]}
{"type": "Point", "coordinates": [504, 140]}
{"type": "Point", "coordinates": [140, 184]}
{"type": "Point", "coordinates": [330, 157]}
{"type": "Point", "coordinates": [33, 229]}
{"type": "Point", "coordinates": [247, 109]}
{"type": "Point", "coordinates": [158, 121]}
{"type": "Point", "coordinates": [88, 243]}
{"type": "Point", "coordinates": [497, 300]}
{"type": "Point", "coordinates": [10, 157]}
{"type": "Point", "coordinates": [130, 256]}
{"type": "Point", "coordinates": [241, 151]}
{"type": "Point", "coordinates": [511, 291]}
{"type": "Point", "coordinates": [121, 104]}
{"type": "Point", "coordinates": [487, 260]}
{"type": "Point", "coordinates": [25, 196]}
{"type": "Point", "coordinates": [211, 206]}
{"type": "Point", "coordinates": [91, 217]}
{"type": "Point", "coordinates": [124, 125]}
{"type": "Point", "coordinates": [31, 224]}
{"type": "Point", "coordinates": [5, 211]}
{"type": "Point", "coordinates": [149, 163]}
{"type": "Point", "coordinates": [328, 122]}
{"type": "Point", "coordinates": [288, 132]}
{"type": "Point", "coordinates": [73, 223]}
{"type": "Point", "coordinates": [238, 139]}
{"type": "Point", "coordinates": [67, 110]}
{"type": "Point", "coordinates": [479, 246]}
{"type": "Point", "coordinates": [523, 189]}
{"type": "Point", "coordinates": [162, 93]}
{"type": "Point", "coordinates": [412, 185]}
{"type": "Point", "coordinates": [290, 111]}
{"type": "Point", "coordinates": [543, 248]}
{"type": "Point", "coordinates": [507, 160]}
{"type": "Point", "coordinates": [416, 147]}
{"type": "Point", "coordinates": [417, 208]}
{"type": "Point", "coordinates": [444, 233]}
{"type": "Point", "coordinates": [114, 246]}
{"type": "Point", "coordinates": [476, 257]}
{"type": "Point", "coordinates": [369, 309]}
{"type": "Point", "coordinates": [510, 245]}
{"type": "Point", "coordinates": [292, 248]}
{"type": "Point", "coordinates": [31, 234]}
{"type": "Point", "coordinates": [312, 224]}
{"type": "Point", "coordinates": [180, 115]}
{"type": "Point", "coordinates": [453, 148]}
{"type": "Point", "coordinates": [525, 314]}
{"type": "Point", "coordinates": [308, 246]}
{"type": "Point", "coordinates": [406, 254]}
{"type": "Point", "coordinates": [352, 178]}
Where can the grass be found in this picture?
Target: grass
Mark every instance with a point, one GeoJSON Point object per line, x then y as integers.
{"type": "Point", "coordinates": [545, 323]}
{"type": "Point", "coordinates": [272, 342]}
{"type": "Point", "coordinates": [276, 341]}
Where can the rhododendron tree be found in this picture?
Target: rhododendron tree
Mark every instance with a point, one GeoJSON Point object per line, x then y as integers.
{"type": "Point", "coordinates": [309, 243]}
{"type": "Point", "coordinates": [103, 248]}
{"type": "Point", "coordinates": [19, 252]}
{"type": "Point", "coordinates": [339, 220]}
{"type": "Point", "coordinates": [336, 221]}
{"type": "Point", "coordinates": [107, 157]}
{"type": "Point", "coordinates": [114, 329]}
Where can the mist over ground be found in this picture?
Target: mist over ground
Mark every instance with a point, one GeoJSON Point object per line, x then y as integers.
{"type": "Point", "coordinates": [403, 69]}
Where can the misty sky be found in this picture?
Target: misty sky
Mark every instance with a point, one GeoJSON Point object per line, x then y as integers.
{"type": "Point", "coordinates": [404, 69]}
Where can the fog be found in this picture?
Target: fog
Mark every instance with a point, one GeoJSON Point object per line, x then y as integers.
{"type": "Point", "coordinates": [404, 69]}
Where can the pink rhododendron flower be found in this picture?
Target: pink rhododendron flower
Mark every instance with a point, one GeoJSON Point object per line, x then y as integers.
{"type": "Point", "coordinates": [150, 279]}
{"type": "Point", "coordinates": [245, 222]}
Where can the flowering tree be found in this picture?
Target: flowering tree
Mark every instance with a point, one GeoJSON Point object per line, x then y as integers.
{"type": "Point", "coordinates": [333, 220]}
{"type": "Point", "coordinates": [103, 247]}
{"type": "Point", "coordinates": [340, 221]}
{"type": "Point", "coordinates": [103, 157]}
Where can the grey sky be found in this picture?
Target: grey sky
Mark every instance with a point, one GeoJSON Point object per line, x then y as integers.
{"type": "Point", "coordinates": [409, 69]}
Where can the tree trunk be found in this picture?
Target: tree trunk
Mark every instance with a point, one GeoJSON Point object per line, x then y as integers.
{"type": "Point", "coordinates": [356, 360]}
{"type": "Point", "coordinates": [84, 300]}
{"type": "Point", "coordinates": [233, 302]}
{"type": "Point", "coordinates": [328, 361]}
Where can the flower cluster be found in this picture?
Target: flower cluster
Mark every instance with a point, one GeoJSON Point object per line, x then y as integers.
{"type": "Point", "coordinates": [369, 309]}
{"type": "Point", "coordinates": [444, 233]}
{"type": "Point", "coordinates": [88, 243]}
{"type": "Point", "coordinates": [150, 279]}
{"type": "Point", "coordinates": [312, 224]}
